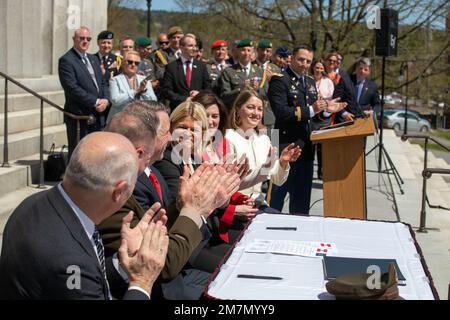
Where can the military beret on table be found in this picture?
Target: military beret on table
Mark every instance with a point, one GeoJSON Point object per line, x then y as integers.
{"type": "Point", "coordinates": [105, 35]}
{"type": "Point", "coordinates": [218, 44]}
{"type": "Point", "coordinates": [174, 30]}
{"type": "Point", "coordinates": [264, 43]}
{"type": "Point", "coordinates": [142, 41]}
{"type": "Point", "coordinates": [244, 43]}
{"type": "Point", "coordinates": [355, 286]}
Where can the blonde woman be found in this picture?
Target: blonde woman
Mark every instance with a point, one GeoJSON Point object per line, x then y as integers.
{"type": "Point", "coordinates": [129, 86]}
{"type": "Point", "coordinates": [188, 125]}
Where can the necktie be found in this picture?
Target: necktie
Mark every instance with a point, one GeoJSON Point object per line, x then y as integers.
{"type": "Point", "coordinates": [101, 257]}
{"type": "Point", "coordinates": [359, 85]}
{"type": "Point", "coordinates": [302, 78]}
{"type": "Point", "coordinates": [157, 186]}
{"type": "Point", "coordinates": [245, 71]}
{"type": "Point", "coordinates": [188, 73]}
{"type": "Point", "coordinates": [90, 70]}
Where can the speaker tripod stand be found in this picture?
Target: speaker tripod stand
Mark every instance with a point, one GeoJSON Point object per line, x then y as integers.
{"type": "Point", "coordinates": [382, 153]}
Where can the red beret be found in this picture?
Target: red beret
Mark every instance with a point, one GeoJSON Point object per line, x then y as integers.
{"type": "Point", "coordinates": [219, 43]}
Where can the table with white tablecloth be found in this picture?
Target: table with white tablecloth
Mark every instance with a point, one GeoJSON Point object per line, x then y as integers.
{"type": "Point", "coordinates": [303, 277]}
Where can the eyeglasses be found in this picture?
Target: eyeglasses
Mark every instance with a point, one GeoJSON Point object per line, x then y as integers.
{"type": "Point", "coordinates": [131, 62]}
{"type": "Point", "coordinates": [164, 42]}
{"type": "Point", "coordinates": [332, 61]}
{"type": "Point", "coordinates": [85, 38]}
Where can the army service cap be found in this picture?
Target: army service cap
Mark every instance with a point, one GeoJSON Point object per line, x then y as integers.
{"type": "Point", "coordinates": [108, 35]}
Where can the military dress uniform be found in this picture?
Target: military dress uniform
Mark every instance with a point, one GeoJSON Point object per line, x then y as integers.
{"type": "Point", "coordinates": [232, 80]}
{"type": "Point", "coordinates": [269, 116]}
{"type": "Point", "coordinates": [111, 62]}
{"type": "Point", "coordinates": [147, 69]}
{"type": "Point", "coordinates": [162, 57]}
{"type": "Point", "coordinates": [291, 97]}
{"type": "Point", "coordinates": [215, 71]}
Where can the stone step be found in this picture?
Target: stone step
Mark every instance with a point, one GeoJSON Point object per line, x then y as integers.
{"type": "Point", "coordinates": [25, 101]}
{"type": "Point", "coordinates": [26, 143]}
{"type": "Point", "coordinates": [42, 84]}
{"type": "Point", "coordinates": [8, 202]}
{"type": "Point", "coordinates": [13, 178]}
{"type": "Point", "coordinates": [20, 121]}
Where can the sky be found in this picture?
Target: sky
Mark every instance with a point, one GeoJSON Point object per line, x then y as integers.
{"type": "Point", "coordinates": [168, 5]}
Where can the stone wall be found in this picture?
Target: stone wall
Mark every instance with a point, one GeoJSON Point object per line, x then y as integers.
{"type": "Point", "coordinates": [35, 33]}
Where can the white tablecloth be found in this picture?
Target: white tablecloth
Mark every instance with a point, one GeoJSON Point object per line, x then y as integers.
{"type": "Point", "coordinates": [303, 277]}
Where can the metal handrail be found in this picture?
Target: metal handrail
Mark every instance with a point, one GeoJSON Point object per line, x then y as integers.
{"type": "Point", "coordinates": [426, 174]}
{"type": "Point", "coordinates": [78, 118]}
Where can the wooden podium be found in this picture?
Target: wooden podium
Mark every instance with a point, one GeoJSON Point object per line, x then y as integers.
{"type": "Point", "coordinates": [343, 162]}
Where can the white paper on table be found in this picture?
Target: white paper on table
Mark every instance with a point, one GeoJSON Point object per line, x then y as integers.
{"type": "Point", "coordinates": [299, 248]}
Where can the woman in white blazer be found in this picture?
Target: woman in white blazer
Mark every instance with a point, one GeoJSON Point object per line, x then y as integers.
{"type": "Point", "coordinates": [129, 86]}
{"type": "Point", "coordinates": [247, 137]}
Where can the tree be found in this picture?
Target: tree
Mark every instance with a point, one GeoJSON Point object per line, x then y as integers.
{"type": "Point", "coordinates": [329, 25]}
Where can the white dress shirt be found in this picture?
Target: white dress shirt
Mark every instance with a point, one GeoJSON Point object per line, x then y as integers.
{"type": "Point", "coordinates": [247, 68]}
{"type": "Point", "coordinates": [183, 59]}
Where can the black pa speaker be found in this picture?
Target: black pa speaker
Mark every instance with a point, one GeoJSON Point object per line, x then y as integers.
{"type": "Point", "coordinates": [386, 36]}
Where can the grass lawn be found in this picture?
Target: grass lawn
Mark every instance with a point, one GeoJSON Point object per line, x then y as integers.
{"type": "Point", "coordinates": [445, 134]}
{"type": "Point", "coordinates": [431, 146]}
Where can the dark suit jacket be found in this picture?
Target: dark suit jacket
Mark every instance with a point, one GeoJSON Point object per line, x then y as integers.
{"type": "Point", "coordinates": [184, 236]}
{"type": "Point", "coordinates": [79, 89]}
{"type": "Point", "coordinates": [369, 99]}
{"type": "Point", "coordinates": [145, 193]}
{"type": "Point", "coordinates": [174, 84]}
{"type": "Point", "coordinates": [42, 241]}
{"type": "Point", "coordinates": [345, 89]}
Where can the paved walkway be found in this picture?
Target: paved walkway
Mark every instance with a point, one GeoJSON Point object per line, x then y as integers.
{"type": "Point", "coordinates": [408, 159]}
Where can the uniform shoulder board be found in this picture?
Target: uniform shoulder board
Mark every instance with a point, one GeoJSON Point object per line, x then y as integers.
{"type": "Point", "coordinates": [277, 75]}
{"type": "Point", "coordinates": [308, 76]}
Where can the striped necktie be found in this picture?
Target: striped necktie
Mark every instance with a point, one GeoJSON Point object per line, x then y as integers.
{"type": "Point", "coordinates": [101, 258]}
{"type": "Point", "coordinates": [90, 70]}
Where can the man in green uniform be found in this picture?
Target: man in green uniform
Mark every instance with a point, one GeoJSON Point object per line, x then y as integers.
{"type": "Point", "coordinates": [240, 75]}
{"type": "Point", "coordinates": [219, 51]}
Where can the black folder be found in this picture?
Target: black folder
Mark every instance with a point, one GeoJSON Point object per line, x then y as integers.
{"type": "Point", "coordinates": [338, 266]}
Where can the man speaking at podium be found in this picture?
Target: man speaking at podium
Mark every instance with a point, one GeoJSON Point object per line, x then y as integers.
{"type": "Point", "coordinates": [294, 101]}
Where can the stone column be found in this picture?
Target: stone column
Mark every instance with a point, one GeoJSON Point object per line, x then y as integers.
{"type": "Point", "coordinates": [35, 33]}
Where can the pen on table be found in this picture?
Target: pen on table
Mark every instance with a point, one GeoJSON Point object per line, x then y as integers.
{"type": "Point", "coordinates": [282, 228]}
{"type": "Point", "coordinates": [252, 276]}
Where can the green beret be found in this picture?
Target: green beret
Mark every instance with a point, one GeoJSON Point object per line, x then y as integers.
{"type": "Point", "coordinates": [244, 43]}
{"type": "Point", "coordinates": [264, 43]}
{"type": "Point", "coordinates": [355, 286]}
{"type": "Point", "coordinates": [142, 41]}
